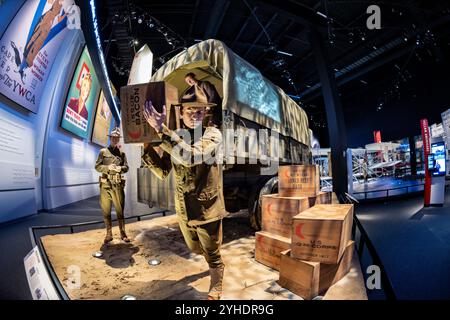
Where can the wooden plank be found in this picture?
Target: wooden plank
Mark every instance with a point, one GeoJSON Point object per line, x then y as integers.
{"type": "Point", "coordinates": [300, 277]}
{"type": "Point", "coordinates": [321, 233]}
{"type": "Point", "coordinates": [298, 181]}
{"type": "Point", "coordinates": [268, 248]}
{"type": "Point", "coordinates": [277, 213]}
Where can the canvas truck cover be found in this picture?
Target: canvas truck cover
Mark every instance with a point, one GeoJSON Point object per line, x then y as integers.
{"type": "Point", "coordinates": [243, 89]}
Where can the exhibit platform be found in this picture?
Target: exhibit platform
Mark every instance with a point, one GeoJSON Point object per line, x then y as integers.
{"type": "Point", "coordinates": [384, 187]}
{"type": "Point", "coordinates": [124, 268]}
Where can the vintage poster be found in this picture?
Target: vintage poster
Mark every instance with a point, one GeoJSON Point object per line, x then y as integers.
{"type": "Point", "coordinates": [29, 46]}
{"type": "Point", "coordinates": [102, 122]}
{"type": "Point", "coordinates": [82, 97]}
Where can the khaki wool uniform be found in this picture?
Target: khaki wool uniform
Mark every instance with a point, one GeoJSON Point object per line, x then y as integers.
{"type": "Point", "coordinates": [111, 184]}
{"type": "Point", "coordinates": [199, 201]}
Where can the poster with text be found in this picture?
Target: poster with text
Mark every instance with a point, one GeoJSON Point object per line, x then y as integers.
{"type": "Point", "coordinates": [29, 46]}
{"type": "Point", "coordinates": [81, 99]}
{"type": "Point", "coordinates": [102, 123]}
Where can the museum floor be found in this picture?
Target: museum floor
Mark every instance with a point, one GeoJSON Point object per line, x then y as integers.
{"type": "Point", "coordinates": [413, 243]}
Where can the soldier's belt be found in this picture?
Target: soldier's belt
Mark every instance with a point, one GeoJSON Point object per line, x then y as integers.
{"type": "Point", "coordinates": [112, 178]}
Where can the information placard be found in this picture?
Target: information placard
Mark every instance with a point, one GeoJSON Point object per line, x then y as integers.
{"type": "Point", "coordinates": [16, 153]}
{"type": "Point", "coordinates": [39, 281]}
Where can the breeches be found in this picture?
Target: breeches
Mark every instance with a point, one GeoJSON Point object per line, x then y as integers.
{"type": "Point", "coordinates": [204, 239]}
{"type": "Point", "coordinates": [114, 195]}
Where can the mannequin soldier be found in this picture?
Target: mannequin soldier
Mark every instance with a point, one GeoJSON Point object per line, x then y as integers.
{"type": "Point", "coordinates": [199, 201]}
{"type": "Point", "coordinates": [207, 87]}
{"type": "Point", "coordinates": [111, 163]}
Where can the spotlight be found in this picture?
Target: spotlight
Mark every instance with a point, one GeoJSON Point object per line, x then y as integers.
{"type": "Point", "coordinates": [97, 254]}
{"type": "Point", "coordinates": [140, 20]}
{"type": "Point", "coordinates": [136, 42]}
{"type": "Point", "coordinates": [154, 262]}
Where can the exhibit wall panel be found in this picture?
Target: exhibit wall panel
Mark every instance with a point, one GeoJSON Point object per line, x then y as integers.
{"type": "Point", "coordinates": [43, 166]}
{"type": "Point", "coordinates": [17, 185]}
{"type": "Point", "coordinates": [69, 173]}
{"type": "Point", "coordinates": [22, 136]}
{"type": "Point", "coordinates": [64, 64]}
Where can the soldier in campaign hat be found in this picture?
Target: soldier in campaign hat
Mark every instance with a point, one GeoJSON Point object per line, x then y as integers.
{"type": "Point", "coordinates": [112, 163]}
{"type": "Point", "coordinates": [199, 201]}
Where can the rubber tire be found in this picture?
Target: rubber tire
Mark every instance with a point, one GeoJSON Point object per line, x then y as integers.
{"type": "Point", "coordinates": [254, 207]}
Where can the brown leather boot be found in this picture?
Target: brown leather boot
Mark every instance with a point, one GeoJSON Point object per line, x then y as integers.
{"type": "Point", "coordinates": [123, 234]}
{"type": "Point", "coordinates": [108, 225]}
{"type": "Point", "coordinates": [215, 288]}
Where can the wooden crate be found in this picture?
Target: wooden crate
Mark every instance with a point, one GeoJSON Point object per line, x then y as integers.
{"type": "Point", "coordinates": [332, 273]}
{"type": "Point", "coordinates": [298, 181]}
{"type": "Point", "coordinates": [300, 277]}
{"type": "Point", "coordinates": [321, 198]}
{"type": "Point", "coordinates": [308, 279]}
{"type": "Point", "coordinates": [277, 213]}
{"type": "Point", "coordinates": [321, 233]}
{"type": "Point", "coordinates": [132, 99]}
{"type": "Point", "coordinates": [268, 248]}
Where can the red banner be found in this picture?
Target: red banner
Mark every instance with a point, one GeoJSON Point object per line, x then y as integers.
{"type": "Point", "coordinates": [426, 151]}
{"type": "Point", "coordinates": [377, 136]}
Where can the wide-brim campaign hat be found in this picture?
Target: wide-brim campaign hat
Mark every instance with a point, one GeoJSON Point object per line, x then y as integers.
{"type": "Point", "coordinates": [196, 98]}
{"type": "Point", "coordinates": [115, 133]}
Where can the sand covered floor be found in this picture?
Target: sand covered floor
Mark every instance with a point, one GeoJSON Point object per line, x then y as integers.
{"type": "Point", "coordinates": [124, 268]}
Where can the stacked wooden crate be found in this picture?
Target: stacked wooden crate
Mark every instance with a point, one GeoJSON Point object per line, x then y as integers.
{"type": "Point", "coordinates": [304, 236]}
{"type": "Point", "coordinates": [279, 209]}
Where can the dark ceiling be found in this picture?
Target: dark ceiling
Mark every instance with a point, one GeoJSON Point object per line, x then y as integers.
{"type": "Point", "coordinates": [375, 69]}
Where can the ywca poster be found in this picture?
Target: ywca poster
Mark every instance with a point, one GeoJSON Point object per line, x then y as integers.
{"type": "Point", "coordinates": [102, 123]}
{"type": "Point", "coordinates": [29, 46]}
{"type": "Point", "coordinates": [82, 98]}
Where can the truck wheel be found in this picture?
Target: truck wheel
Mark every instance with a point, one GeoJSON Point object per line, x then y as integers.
{"type": "Point", "coordinates": [254, 205]}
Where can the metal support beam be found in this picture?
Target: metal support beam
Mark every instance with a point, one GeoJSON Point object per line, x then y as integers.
{"type": "Point", "coordinates": [194, 18]}
{"type": "Point", "coordinates": [275, 40]}
{"type": "Point", "coordinates": [247, 21]}
{"type": "Point", "coordinates": [266, 27]}
{"type": "Point", "coordinates": [220, 7]}
{"type": "Point", "coordinates": [335, 116]}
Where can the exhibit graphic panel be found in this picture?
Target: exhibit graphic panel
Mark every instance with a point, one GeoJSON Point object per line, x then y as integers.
{"type": "Point", "coordinates": [446, 126]}
{"type": "Point", "coordinates": [253, 90]}
{"type": "Point", "coordinates": [102, 122]}
{"type": "Point", "coordinates": [82, 97]}
{"type": "Point", "coordinates": [29, 46]}
{"type": "Point", "coordinates": [141, 69]}
{"type": "Point", "coordinates": [16, 153]}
